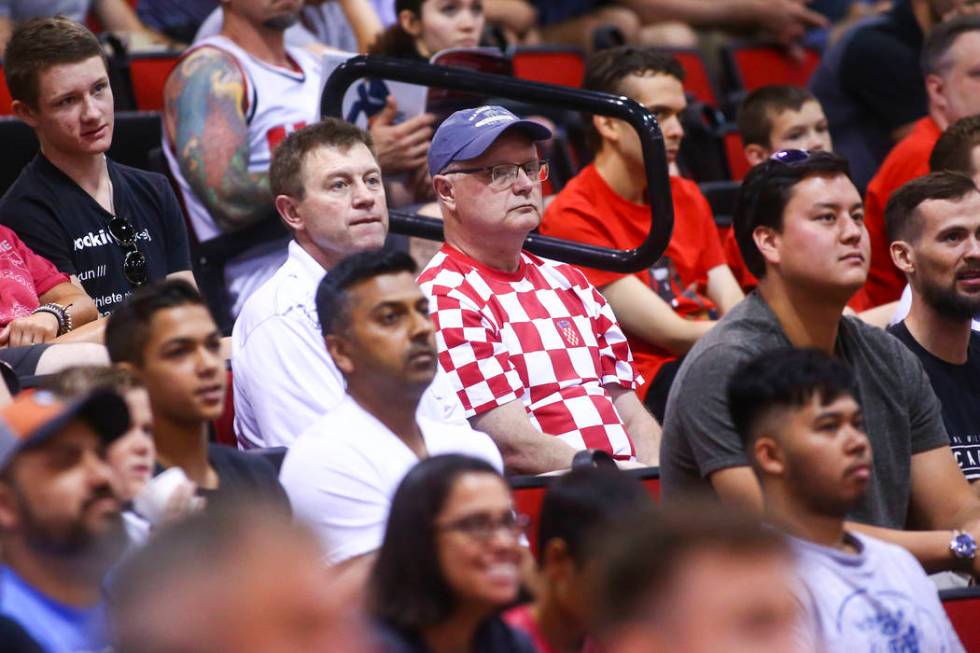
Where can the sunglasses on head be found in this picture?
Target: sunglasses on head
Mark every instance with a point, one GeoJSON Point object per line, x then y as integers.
{"type": "Point", "coordinates": [789, 157]}
{"type": "Point", "coordinates": [134, 263]}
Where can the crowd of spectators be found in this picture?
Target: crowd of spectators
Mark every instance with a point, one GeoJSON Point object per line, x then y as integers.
{"type": "Point", "coordinates": [764, 440]}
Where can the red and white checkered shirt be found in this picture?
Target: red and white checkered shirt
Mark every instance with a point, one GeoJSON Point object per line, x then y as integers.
{"type": "Point", "coordinates": [542, 334]}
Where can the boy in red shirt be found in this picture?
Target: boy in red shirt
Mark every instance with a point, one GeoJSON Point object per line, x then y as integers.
{"type": "Point", "coordinates": [666, 308]}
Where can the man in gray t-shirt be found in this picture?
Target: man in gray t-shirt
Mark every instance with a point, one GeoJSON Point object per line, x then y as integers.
{"type": "Point", "coordinates": [797, 413]}
{"type": "Point", "coordinates": [799, 225]}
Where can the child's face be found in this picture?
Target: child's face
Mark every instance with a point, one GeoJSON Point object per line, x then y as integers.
{"type": "Point", "coordinates": [805, 129]}
{"type": "Point", "coordinates": [132, 455]}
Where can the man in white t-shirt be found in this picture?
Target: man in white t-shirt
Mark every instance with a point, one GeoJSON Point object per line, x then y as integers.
{"type": "Point", "coordinates": [798, 415]}
{"type": "Point", "coordinates": [328, 188]}
{"type": "Point", "coordinates": [341, 473]}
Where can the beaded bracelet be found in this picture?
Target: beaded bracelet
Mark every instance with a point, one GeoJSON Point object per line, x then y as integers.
{"type": "Point", "coordinates": [60, 312]}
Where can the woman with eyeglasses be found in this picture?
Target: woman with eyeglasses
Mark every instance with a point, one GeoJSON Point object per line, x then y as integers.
{"type": "Point", "coordinates": [450, 561]}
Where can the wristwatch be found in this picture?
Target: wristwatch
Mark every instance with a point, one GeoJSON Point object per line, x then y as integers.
{"type": "Point", "coordinates": [963, 546]}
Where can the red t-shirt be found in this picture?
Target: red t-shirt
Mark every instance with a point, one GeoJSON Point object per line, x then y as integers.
{"type": "Point", "coordinates": [588, 210]}
{"type": "Point", "coordinates": [733, 255]}
{"type": "Point", "coordinates": [24, 277]}
{"type": "Point", "coordinates": [520, 618]}
{"type": "Point", "coordinates": [907, 160]}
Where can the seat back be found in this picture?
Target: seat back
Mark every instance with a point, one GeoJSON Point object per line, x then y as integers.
{"type": "Point", "coordinates": [697, 80]}
{"type": "Point", "coordinates": [528, 493]}
{"type": "Point", "coordinates": [962, 607]}
{"type": "Point", "coordinates": [149, 73]}
{"type": "Point", "coordinates": [738, 165]}
{"type": "Point", "coordinates": [753, 65]}
{"type": "Point", "coordinates": [549, 64]}
{"type": "Point", "coordinates": [6, 102]}
{"type": "Point", "coordinates": [224, 426]}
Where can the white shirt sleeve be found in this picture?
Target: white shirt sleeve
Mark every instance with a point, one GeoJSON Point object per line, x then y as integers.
{"type": "Point", "coordinates": [284, 380]}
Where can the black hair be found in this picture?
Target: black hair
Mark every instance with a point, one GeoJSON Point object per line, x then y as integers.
{"type": "Point", "coordinates": [128, 329]}
{"type": "Point", "coordinates": [755, 112]}
{"type": "Point", "coordinates": [605, 71]}
{"type": "Point", "coordinates": [784, 378]}
{"type": "Point", "coordinates": [763, 196]}
{"type": "Point", "coordinates": [954, 149]}
{"type": "Point", "coordinates": [407, 587]}
{"type": "Point", "coordinates": [940, 40]}
{"type": "Point", "coordinates": [331, 295]}
{"type": "Point", "coordinates": [583, 502]}
{"type": "Point", "coordinates": [902, 209]}
{"type": "Point", "coordinates": [395, 41]}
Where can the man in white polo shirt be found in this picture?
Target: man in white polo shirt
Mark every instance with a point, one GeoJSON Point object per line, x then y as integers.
{"type": "Point", "coordinates": [329, 192]}
{"type": "Point", "coordinates": [341, 473]}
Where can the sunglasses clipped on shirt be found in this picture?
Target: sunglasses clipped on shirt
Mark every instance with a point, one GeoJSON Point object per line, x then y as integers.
{"type": "Point", "coordinates": [134, 263]}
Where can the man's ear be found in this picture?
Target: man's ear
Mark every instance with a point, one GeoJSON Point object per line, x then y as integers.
{"type": "Point", "coordinates": [25, 113]}
{"type": "Point", "coordinates": [339, 349]}
{"type": "Point", "coordinates": [409, 22]}
{"type": "Point", "coordinates": [445, 192]}
{"type": "Point", "coordinates": [903, 256]}
{"type": "Point", "coordinates": [9, 513]}
{"type": "Point", "coordinates": [129, 367]}
{"type": "Point", "coordinates": [768, 456]}
{"type": "Point", "coordinates": [286, 206]}
{"type": "Point", "coordinates": [767, 241]}
{"type": "Point", "coordinates": [756, 154]}
{"type": "Point", "coordinates": [936, 90]}
{"type": "Point", "coordinates": [607, 128]}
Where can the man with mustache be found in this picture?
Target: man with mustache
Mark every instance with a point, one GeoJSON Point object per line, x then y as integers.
{"type": "Point", "coordinates": [798, 415]}
{"type": "Point", "coordinates": [934, 228]}
{"type": "Point", "coordinates": [341, 473]}
{"type": "Point", "coordinates": [60, 524]}
{"type": "Point", "coordinates": [327, 182]}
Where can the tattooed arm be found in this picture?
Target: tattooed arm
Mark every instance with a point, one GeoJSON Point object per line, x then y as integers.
{"type": "Point", "coordinates": [204, 122]}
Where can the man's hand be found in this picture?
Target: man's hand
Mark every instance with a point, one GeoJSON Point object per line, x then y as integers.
{"type": "Point", "coordinates": [31, 330]}
{"type": "Point", "coordinates": [786, 20]}
{"type": "Point", "coordinates": [402, 147]}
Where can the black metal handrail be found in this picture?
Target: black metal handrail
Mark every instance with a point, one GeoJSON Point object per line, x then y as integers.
{"type": "Point", "coordinates": [645, 124]}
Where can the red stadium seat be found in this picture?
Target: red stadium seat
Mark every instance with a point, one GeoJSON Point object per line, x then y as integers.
{"type": "Point", "coordinates": [697, 81]}
{"type": "Point", "coordinates": [148, 73]}
{"type": "Point", "coordinates": [751, 66]}
{"type": "Point", "coordinates": [529, 491]}
{"type": "Point", "coordinates": [224, 429]}
{"type": "Point", "coordinates": [549, 64]}
{"type": "Point", "coordinates": [738, 165]}
{"type": "Point", "coordinates": [962, 606]}
{"type": "Point", "coordinates": [6, 102]}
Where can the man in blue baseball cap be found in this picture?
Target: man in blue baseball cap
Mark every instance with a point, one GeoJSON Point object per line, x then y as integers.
{"type": "Point", "coordinates": [533, 350]}
{"type": "Point", "coordinates": [60, 524]}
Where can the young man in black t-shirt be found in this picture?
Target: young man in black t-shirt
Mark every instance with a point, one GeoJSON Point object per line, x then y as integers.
{"type": "Point", "coordinates": [109, 226]}
{"type": "Point", "coordinates": [165, 335]}
{"type": "Point", "coordinates": [933, 225]}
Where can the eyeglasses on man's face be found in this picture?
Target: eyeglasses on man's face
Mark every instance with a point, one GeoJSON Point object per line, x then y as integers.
{"type": "Point", "coordinates": [503, 175]}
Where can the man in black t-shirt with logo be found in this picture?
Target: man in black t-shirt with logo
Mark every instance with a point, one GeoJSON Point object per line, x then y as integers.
{"type": "Point", "coordinates": [933, 225]}
{"type": "Point", "coordinates": [110, 227]}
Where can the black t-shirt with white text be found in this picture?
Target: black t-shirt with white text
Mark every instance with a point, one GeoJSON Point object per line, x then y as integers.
{"type": "Point", "coordinates": [958, 389]}
{"type": "Point", "coordinates": [57, 219]}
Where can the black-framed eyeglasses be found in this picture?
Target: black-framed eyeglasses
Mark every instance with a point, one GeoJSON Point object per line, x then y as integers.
{"type": "Point", "coordinates": [483, 526]}
{"type": "Point", "coordinates": [789, 157]}
{"type": "Point", "coordinates": [134, 262]}
{"type": "Point", "coordinates": [503, 175]}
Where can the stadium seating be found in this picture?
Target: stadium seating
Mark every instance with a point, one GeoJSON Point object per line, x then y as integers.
{"type": "Point", "coordinates": [697, 80]}
{"type": "Point", "coordinates": [963, 608]}
{"type": "Point", "coordinates": [752, 65]}
{"type": "Point", "coordinates": [529, 491]}
{"type": "Point", "coordinates": [549, 64]}
{"type": "Point", "coordinates": [149, 73]}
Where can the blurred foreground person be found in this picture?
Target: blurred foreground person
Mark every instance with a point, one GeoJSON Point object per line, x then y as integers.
{"type": "Point", "coordinates": [577, 508]}
{"type": "Point", "coordinates": [60, 525]}
{"type": "Point", "coordinates": [237, 578]}
{"type": "Point", "coordinates": [449, 563]}
{"type": "Point", "coordinates": [697, 578]}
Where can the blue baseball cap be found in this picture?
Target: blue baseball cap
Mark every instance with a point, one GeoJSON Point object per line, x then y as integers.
{"type": "Point", "coordinates": [468, 133]}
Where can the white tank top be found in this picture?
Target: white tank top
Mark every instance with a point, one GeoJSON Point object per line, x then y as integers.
{"type": "Point", "coordinates": [278, 101]}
